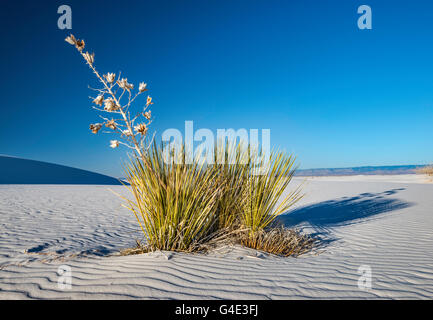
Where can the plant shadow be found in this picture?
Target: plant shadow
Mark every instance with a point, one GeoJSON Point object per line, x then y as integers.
{"type": "Point", "coordinates": [324, 216]}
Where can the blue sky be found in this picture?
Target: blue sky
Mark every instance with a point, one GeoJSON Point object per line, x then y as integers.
{"type": "Point", "coordinates": [334, 95]}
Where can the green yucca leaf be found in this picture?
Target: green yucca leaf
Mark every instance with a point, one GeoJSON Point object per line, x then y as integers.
{"type": "Point", "coordinates": [179, 206]}
{"type": "Point", "coordinates": [174, 204]}
{"type": "Point", "coordinates": [265, 200]}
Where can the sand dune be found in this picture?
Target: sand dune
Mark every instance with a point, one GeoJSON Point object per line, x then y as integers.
{"type": "Point", "coordinates": [386, 225]}
{"type": "Point", "coordinates": [23, 171]}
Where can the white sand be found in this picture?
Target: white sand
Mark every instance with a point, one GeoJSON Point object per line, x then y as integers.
{"type": "Point", "coordinates": [402, 178]}
{"type": "Point", "coordinates": [386, 224]}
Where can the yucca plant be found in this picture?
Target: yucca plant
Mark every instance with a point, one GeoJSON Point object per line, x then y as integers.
{"type": "Point", "coordinates": [181, 206]}
{"type": "Point", "coordinates": [253, 196]}
{"type": "Point", "coordinates": [265, 199]}
{"type": "Point", "coordinates": [174, 203]}
{"type": "Point", "coordinates": [231, 166]}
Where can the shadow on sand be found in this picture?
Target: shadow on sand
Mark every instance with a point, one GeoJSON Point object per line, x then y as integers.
{"type": "Point", "coordinates": [326, 215]}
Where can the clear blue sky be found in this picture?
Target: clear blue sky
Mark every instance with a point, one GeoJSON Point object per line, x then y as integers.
{"type": "Point", "coordinates": [334, 95]}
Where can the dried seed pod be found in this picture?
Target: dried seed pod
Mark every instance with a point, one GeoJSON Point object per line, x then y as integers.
{"type": "Point", "coordinates": [95, 127]}
{"type": "Point", "coordinates": [141, 128]}
{"type": "Point", "coordinates": [142, 87]}
{"type": "Point", "coordinates": [99, 100]}
{"type": "Point", "coordinates": [114, 144]}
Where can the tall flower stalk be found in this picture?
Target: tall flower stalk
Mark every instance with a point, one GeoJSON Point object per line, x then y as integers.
{"type": "Point", "coordinates": [133, 129]}
{"type": "Point", "coordinates": [181, 206]}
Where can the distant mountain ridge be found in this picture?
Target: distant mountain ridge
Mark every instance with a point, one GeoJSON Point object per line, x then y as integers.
{"type": "Point", "coordinates": [367, 170]}
{"type": "Point", "coordinates": [22, 171]}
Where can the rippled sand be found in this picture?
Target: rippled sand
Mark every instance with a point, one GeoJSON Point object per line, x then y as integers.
{"type": "Point", "coordinates": [385, 224]}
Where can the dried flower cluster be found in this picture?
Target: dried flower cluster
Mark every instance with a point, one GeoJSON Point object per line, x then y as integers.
{"type": "Point", "coordinates": [132, 129]}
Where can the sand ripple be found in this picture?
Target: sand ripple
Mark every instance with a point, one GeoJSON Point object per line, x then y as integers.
{"type": "Point", "coordinates": [387, 226]}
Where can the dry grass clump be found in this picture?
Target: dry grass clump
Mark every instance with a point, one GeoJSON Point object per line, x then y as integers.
{"type": "Point", "coordinates": [428, 170]}
{"type": "Point", "coordinates": [212, 241]}
{"type": "Point", "coordinates": [278, 240]}
{"type": "Point", "coordinates": [194, 207]}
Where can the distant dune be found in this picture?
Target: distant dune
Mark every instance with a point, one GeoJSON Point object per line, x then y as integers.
{"type": "Point", "coordinates": [380, 170]}
{"type": "Point", "coordinates": [22, 171]}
